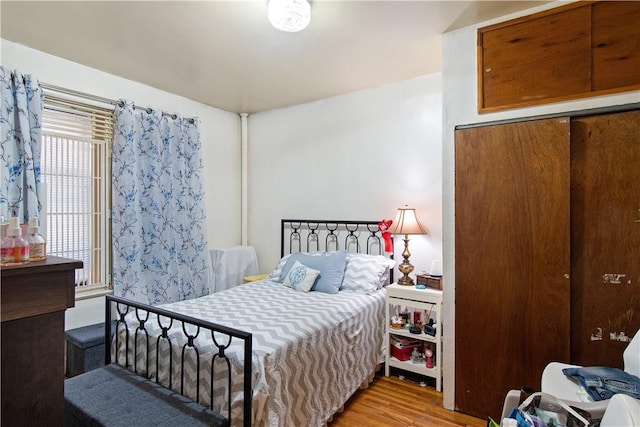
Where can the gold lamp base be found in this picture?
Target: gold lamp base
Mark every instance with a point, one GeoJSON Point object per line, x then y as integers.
{"type": "Point", "coordinates": [405, 267]}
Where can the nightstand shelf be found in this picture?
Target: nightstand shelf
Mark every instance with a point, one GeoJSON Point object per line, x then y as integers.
{"type": "Point", "coordinates": [428, 301]}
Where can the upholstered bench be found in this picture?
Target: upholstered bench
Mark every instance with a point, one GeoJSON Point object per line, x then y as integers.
{"type": "Point", "coordinates": [114, 396]}
{"type": "Point", "coordinates": [85, 349]}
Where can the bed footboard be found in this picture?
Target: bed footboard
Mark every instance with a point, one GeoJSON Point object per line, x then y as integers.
{"type": "Point", "coordinates": [154, 329]}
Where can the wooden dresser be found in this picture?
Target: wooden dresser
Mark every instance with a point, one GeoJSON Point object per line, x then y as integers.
{"type": "Point", "coordinates": [33, 300]}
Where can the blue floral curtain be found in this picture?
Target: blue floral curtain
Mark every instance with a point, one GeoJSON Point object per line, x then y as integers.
{"type": "Point", "coordinates": [160, 250]}
{"type": "Point", "coordinates": [20, 145]}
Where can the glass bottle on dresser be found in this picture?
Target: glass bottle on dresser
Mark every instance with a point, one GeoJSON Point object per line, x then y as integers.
{"type": "Point", "coordinates": [37, 243]}
{"type": "Point", "coordinates": [14, 250]}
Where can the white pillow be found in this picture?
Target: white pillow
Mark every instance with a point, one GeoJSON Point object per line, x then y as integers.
{"type": "Point", "coordinates": [276, 272]}
{"type": "Point", "coordinates": [366, 273]}
{"type": "Point", "coordinates": [300, 277]}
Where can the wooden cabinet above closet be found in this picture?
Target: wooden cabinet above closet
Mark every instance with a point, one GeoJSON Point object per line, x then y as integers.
{"type": "Point", "coordinates": [575, 51]}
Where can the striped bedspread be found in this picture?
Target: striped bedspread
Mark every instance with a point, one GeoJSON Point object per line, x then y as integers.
{"type": "Point", "coordinates": [311, 351]}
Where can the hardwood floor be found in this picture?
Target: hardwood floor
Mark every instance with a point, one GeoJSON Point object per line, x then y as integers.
{"type": "Point", "coordinates": [391, 402]}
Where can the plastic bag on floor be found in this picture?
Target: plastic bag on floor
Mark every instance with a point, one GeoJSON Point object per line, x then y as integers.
{"type": "Point", "coordinates": [544, 410]}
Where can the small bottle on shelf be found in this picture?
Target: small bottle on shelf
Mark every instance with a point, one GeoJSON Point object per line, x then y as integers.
{"type": "Point", "coordinates": [428, 355]}
{"type": "Point", "coordinates": [416, 357]}
{"type": "Point", "coordinates": [3, 227]}
{"type": "Point", "coordinates": [37, 243]}
{"type": "Point", "coordinates": [14, 250]}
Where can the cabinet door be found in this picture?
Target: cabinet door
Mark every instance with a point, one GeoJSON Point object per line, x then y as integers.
{"type": "Point", "coordinates": [539, 59]}
{"type": "Point", "coordinates": [616, 44]}
{"type": "Point", "coordinates": [577, 50]}
{"type": "Point", "coordinates": [512, 259]}
{"type": "Point", "coordinates": [605, 236]}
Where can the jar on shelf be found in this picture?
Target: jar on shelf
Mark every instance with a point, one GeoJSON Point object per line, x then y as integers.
{"type": "Point", "coordinates": [14, 249]}
{"type": "Point", "coordinates": [37, 243]}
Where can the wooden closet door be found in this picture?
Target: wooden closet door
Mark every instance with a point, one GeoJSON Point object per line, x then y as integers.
{"type": "Point", "coordinates": [512, 259]}
{"type": "Point", "coordinates": [605, 236]}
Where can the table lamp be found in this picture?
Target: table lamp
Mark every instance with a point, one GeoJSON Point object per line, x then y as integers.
{"type": "Point", "coordinates": [406, 223]}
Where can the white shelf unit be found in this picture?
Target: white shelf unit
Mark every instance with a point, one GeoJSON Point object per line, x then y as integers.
{"type": "Point", "coordinates": [429, 300]}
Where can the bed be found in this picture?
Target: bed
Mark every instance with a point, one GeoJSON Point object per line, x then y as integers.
{"type": "Point", "coordinates": [311, 350]}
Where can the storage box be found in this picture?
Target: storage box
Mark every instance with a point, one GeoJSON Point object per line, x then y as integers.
{"type": "Point", "coordinates": [404, 353]}
{"type": "Point", "coordinates": [85, 348]}
{"type": "Point", "coordinates": [431, 282]}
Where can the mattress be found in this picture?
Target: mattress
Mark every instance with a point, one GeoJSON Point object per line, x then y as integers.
{"type": "Point", "coordinates": [311, 351]}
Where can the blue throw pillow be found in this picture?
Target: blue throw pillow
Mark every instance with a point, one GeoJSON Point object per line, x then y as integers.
{"type": "Point", "coordinates": [331, 267]}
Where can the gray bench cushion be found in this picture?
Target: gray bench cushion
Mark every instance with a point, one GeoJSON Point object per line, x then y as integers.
{"type": "Point", "coordinates": [115, 396]}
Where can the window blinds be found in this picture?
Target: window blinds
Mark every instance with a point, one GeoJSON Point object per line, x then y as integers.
{"type": "Point", "coordinates": [76, 143]}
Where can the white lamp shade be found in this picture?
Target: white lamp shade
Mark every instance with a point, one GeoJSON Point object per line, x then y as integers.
{"type": "Point", "coordinates": [289, 15]}
{"type": "Point", "coordinates": [406, 222]}
{"type": "Point", "coordinates": [436, 268]}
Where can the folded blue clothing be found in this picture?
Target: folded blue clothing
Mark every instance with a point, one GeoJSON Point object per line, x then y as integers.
{"type": "Point", "coordinates": [602, 382]}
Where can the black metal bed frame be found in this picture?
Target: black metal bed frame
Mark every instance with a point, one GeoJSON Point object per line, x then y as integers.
{"type": "Point", "coordinates": [312, 232]}
{"type": "Point", "coordinates": [141, 311]}
{"type": "Point", "coordinates": [356, 234]}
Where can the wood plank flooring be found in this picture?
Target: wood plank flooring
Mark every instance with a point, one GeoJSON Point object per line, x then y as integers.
{"type": "Point", "coordinates": [391, 402]}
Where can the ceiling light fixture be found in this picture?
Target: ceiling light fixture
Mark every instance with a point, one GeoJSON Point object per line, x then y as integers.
{"type": "Point", "coordinates": [289, 15]}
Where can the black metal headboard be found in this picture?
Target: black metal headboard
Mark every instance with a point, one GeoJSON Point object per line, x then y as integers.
{"type": "Point", "coordinates": [309, 235]}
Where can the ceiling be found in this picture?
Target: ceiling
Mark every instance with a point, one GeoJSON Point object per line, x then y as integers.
{"type": "Point", "coordinates": [226, 54]}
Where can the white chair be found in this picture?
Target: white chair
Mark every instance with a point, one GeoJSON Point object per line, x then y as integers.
{"type": "Point", "coordinates": [622, 411]}
{"type": "Point", "coordinates": [230, 265]}
{"type": "Point", "coordinates": [556, 383]}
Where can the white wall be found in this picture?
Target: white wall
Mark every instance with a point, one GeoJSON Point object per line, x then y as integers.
{"type": "Point", "coordinates": [220, 135]}
{"type": "Point", "coordinates": [459, 100]}
{"type": "Point", "coordinates": [358, 156]}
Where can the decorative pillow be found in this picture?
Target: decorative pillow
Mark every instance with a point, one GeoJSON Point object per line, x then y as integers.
{"type": "Point", "coordinates": [366, 273]}
{"type": "Point", "coordinates": [300, 277]}
{"type": "Point", "coordinates": [277, 272]}
{"type": "Point", "coordinates": [330, 265]}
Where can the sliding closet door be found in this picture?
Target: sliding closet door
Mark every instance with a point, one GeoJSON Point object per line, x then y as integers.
{"type": "Point", "coordinates": [512, 259]}
{"type": "Point", "coordinates": [605, 236]}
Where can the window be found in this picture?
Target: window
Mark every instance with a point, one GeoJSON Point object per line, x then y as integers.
{"type": "Point", "coordinates": [76, 152]}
